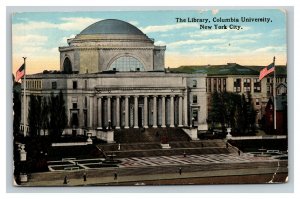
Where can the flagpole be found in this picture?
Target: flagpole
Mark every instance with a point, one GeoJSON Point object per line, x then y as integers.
{"type": "Point", "coordinates": [24, 98]}
{"type": "Point", "coordinates": [274, 93]}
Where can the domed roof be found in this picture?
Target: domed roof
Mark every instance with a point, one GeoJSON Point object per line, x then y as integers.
{"type": "Point", "coordinates": [111, 26]}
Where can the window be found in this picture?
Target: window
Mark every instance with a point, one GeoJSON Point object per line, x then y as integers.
{"type": "Point", "coordinates": [208, 85]}
{"type": "Point", "coordinates": [224, 84]}
{"type": "Point", "coordinates": [237, 85]}
{"type": "Point", "coordinates": [74, 84]}
{"type": "Point", "coordinates": [85, 118]}
{"type": "Point", "coordinates": [74, 105]}
{"type": "Point", "coordinates": [74, 120]}
{"type": "Point", "coordinates": [54, 85]}
{"type": "Point", "coordinates": [219, 85]}
{"type": "Point", "coordinates": [85, 102]}
{"type": "Point", "coordinates": [257, 102]}
{"type": "Point", "coordinates": [194, 99]}
{"type": "Point", "coordinates": [269, 80]}
{"type": "Point", "coordinates": [247, 85]}
{"type": "Point", "coordinates": [215, 85]}
{"type": "Point", "coordinates": [195, 115]}
{"type": "Point", "coordinates": [127, 63]}
{"type": "Point", "coordinates": [268, 89]}
{"type": "Point", "coordinates": [85, 84]}
{"type": "Point", "coordinates": [257, 87]}
{"type": "Point", "coordinates": [194, 83]}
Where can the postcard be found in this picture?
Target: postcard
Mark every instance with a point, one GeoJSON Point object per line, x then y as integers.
{"type": "Point", "coordinates": [161, 97]}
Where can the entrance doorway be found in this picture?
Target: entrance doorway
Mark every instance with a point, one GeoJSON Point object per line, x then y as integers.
{"type": "Point", "coordinates": [140, 113]}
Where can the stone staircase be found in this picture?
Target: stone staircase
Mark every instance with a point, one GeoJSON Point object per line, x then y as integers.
{"type": "Point", "coordinates": [149, 135]}
{"type": "Point", "coordinates": [145, 149]}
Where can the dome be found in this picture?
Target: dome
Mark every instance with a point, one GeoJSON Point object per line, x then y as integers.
{"type": "Point", "coordinates": [111, 26]}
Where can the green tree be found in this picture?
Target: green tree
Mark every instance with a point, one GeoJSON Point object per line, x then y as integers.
{"type": "Point", "coordinates": [45, 114]}
{"type": "Point", "coordinates": [32, 115]}
{"type": "Point", "coordinates": [58, 115]}
{"type": "Point", "coordinates": [251, 114]}
{"type": "Point", "coordinates": [16, 108]}
{"type": "Point", "coordinates": [232, 110]}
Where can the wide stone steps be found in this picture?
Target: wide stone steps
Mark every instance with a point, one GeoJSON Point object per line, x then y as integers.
{"type": "Point", "coordinates": [167, 152]}
{"type": "Point", "coordinates": [150, 135]}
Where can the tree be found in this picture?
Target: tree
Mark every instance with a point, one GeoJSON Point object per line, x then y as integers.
{"type": "Point", "coordinates": [251, 113]}
{"type": "Point", "coordinates": [34, 115]}
{"type": "Point", "coordinates": [58, 115]}
{"type": "Point", "coordinates": [45, 114]}
{"type": "Point", "coordinates": [232, 110]}
{"type": "Point", "coordinates": [16, 108]}
{"type": "Point", "coordinates": [215, 113]}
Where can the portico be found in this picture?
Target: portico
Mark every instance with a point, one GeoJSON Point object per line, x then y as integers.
{"type": "Point", "coordinates": [136, 110]}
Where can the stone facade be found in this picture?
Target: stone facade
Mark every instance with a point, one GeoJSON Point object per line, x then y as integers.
{"type": "Point", "coordinates": [116, 80]}
{"type": "Point", "coordinates": [127, 100]}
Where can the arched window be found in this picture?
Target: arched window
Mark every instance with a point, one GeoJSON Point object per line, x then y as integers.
{"type": "Point", "coordinates": [127, 63]}
{"type": "Point", "coordinates": [194, 83]}
{"type": "Point", "coordinates": [67, 66]}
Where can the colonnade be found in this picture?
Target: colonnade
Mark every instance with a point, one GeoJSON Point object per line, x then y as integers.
{"type": "Point", "coordinates": [137, 111]}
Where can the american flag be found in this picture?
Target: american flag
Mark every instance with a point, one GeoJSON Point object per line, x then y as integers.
{"type": "Point", "coordinates": [265, 71]}
{"type": "Point", "coordinates": [20, 72]}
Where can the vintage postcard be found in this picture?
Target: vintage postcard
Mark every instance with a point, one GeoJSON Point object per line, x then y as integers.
{"type": "Point", "coordinates": [173, 97]}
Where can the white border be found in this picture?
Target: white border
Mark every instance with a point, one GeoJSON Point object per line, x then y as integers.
{"type": "Point", "coordinates": [175, 189]}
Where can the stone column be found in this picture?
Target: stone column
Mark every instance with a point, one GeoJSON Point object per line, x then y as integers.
{"type": "Point", "coordinates": [100, 113]}
{"type": "Point", "coordinates": [172, 111]}
{"type": "Point", "coordinates": [91, 111]}
{"type": "Point", "coordinates": [163, 111]}
{"type": "Point", "coordinates": [109, 110]}
{"type": "Point", "coordinates": [118, 112]}
{"type": "Point", "coordinates": [126, 112]}
{"type": "Point", "coordinates": [185, 107]}
{"type": "Point", "coordinates": [95, 108]}
{"type": "Point", "coordinates": [145, 111]}
{"type": "Point", "coordinates": [136, 125]}
{"type": "Point", "coordinates": [180, 112]}
{"type": "Point", "coordinates": [155, 111]}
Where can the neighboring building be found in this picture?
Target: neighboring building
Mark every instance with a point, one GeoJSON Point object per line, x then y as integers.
{"type": "Point", "coordinates": [112, 73]}
{"type": "Point", "coordinates": [241, 79]}
{"type": "Point", "coordinates": [281, 115]}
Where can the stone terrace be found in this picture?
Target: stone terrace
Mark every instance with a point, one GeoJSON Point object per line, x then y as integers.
{"type": "Point", "coordinates": [138, 143]}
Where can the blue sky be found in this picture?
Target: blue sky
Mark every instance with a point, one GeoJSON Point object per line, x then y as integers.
{"type": "Point", "coordinates": [38, 35]}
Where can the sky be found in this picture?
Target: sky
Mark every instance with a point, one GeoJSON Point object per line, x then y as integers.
{"type": "Point", "coordinates": [37, 35]}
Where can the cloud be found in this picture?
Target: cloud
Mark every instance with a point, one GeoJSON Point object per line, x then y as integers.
{"type": "Point", "coordinates": [67, 23]}
{"type": "Point", "coordinates": [271, 49]}
{"type": "Point", "coordinates": [76, 23]}
{"type": "Point", "coordinates": [231, 48]}
{"type": "Point", "coordinates": [37, 53]}
{"type": "Point", "coordinates": [242, 41]}
{"type": "Point", "coordinates": [198, 49]}
{"type": "Point", "coordinates": [22, 28]}
{"type": "Point", "coordinates": [165, 28]}
{"type": "Point", "coordinates": [204, 33]}
{"type": "Point", "coordinates": [135, 23]}
{"type": "Point", "coordinates": [160, 43]}
{"type": "Point", "coordinates": [64, 39]}
{"type": "Point", "coordinates": [195, 42]}
{"type": "Point", "coordinates": [29, 40]}
{"type": "Point", "coordinates": [241, 36]}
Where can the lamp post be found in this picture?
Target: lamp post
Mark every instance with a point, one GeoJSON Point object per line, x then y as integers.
{"type": "Point", "coordinates": [228, 136]}
{"type": "Point", "coordinates": [193, 120]}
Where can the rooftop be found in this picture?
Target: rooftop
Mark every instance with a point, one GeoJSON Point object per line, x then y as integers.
{"type": "Point", "coordinates": [228, 69]}
{"type": "Point", "coordinates": [111, 26]}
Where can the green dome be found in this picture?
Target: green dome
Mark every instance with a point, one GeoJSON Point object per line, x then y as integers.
{"type": "Point", "coordinates": [111, 26]}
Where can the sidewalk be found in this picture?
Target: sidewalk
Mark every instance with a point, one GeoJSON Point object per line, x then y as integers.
{"type": "Point", "coordinates": [109, 180]}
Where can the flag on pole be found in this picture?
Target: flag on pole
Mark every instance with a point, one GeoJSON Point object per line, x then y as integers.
{"type": "Point", "coordinates": [265, 71]}
{"type": "Point", "coordinates": [20, 72]}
